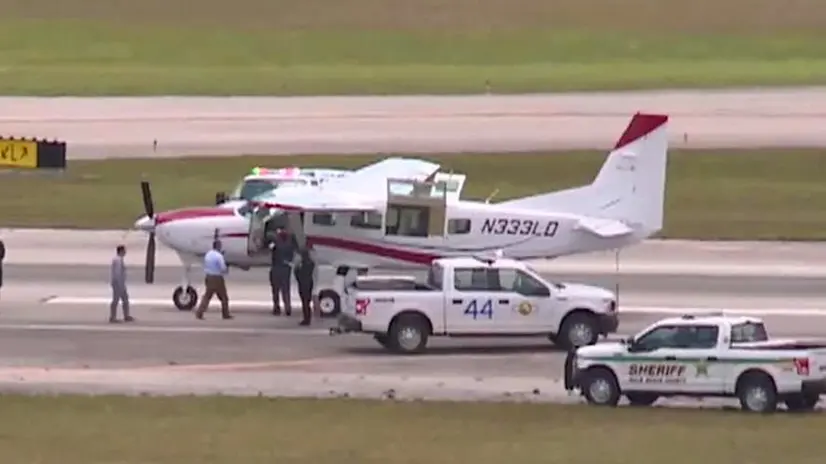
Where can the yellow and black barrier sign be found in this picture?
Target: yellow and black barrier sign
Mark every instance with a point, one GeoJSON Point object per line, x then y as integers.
{"type": "Point", "coordinates": [32, 154]}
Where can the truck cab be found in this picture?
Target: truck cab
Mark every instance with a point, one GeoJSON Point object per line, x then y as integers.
{"type": "Point", "coordinates": [474, 297]}
{"type": "Point", "coordinates": [698, 356]}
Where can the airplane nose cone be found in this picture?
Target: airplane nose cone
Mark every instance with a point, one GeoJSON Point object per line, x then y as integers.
{"type": "Point", "coordinates": [145, 223]}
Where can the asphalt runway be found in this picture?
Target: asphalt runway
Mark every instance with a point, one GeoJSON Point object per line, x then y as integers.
{"type": "Point", "coordinates": [181, 126]}
{"type": "Point", "coordinates": [48, 342]}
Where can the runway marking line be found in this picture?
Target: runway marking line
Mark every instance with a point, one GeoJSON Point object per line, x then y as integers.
{"type": "Point", "coordinates": [664, 310]}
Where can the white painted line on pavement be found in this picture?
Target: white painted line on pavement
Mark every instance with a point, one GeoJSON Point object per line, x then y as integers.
{"type": "Point", "coordinates": [663, 310]}
{"type": "Point", "coordinates": [106, 327]}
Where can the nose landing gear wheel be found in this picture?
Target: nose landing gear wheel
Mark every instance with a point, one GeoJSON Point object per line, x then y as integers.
{"type": "Point", "coordinates": [185, 298]}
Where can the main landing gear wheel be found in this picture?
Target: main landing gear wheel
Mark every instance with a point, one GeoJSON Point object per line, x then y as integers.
{"type": "Point", "coordinates": [329, 303]}
{"type": "Point", "coordinates": [185, 299]}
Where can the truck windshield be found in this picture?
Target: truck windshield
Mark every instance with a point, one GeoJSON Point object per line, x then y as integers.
{"type": "Point", "coordinates": [749, 332]}
{"type": "Point", "coordinates": [435, 276]}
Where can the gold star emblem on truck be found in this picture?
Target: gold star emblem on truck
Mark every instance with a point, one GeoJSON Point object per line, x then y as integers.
{"type": "Point", "coordinates": [702, 368]}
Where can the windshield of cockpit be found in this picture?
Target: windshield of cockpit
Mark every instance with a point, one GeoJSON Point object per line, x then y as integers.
{"type": "Point", "coordinates": [251, 188]}
{"type": "Point", "coordinates": [749, 332]}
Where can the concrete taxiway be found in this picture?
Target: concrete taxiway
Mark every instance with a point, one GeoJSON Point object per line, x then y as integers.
{"type": "Point", "coordinates": [179, 126]}
{"type": "Point", "coordinates": [54, 335]}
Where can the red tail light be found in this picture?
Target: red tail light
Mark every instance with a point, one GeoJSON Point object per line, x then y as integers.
{"type": "Point", "coordinates": [802, 366]}
{"type": "Point", "coordinates": [361, 306]}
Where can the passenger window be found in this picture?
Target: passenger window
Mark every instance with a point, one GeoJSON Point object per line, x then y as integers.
{"type": "Point", "coordinates": [476, 279]}
{"type": "Point", "coordinates": [749, 332]}
{"type": "Point", "coordinates": [696, 337]}
{"type": "Point", "coordinates": [458, 226]}
{"type": "Point", "coordinates": [410, 221]}
{"type": "Point", "coordinates": [515, 280]}
{"type": "Point", "coordinates": [324, 219]}
{"type": "Point", "coordinates": [661, 337]}
{"type": "Point", "coordinates": [366, 220]}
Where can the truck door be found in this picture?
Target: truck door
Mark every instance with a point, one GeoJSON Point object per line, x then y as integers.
{"type": "Point", "coordinates": [525, 301]}
{"type": "Point", "coordinates": [651, 363]}
{"type": "Point", "coordinates": [471, 306]}
{"type": "Point", "coordinates": [696, 348]}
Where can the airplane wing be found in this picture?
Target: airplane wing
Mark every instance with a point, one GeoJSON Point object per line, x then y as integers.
{"type": "Point", "coordinates": [371, 180]}
{"type": "Point", "coordinates": [300, 199]}
{"type": "Point", "coordinates": [605, 228]}
{"type": "Point", "coordinates": [362, 190]}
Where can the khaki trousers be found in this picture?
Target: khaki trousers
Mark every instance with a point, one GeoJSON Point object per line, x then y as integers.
{"type": "Point", "coordinates": [215, 285]}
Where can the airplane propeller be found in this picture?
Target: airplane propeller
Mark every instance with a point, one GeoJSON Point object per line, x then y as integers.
{"type": "Point", "coordinates": [149, 209]}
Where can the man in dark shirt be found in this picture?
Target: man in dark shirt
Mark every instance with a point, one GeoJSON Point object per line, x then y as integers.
{"type": "Point", "coordinates": [282, 255]}
{"type": "Point", "coordinates": [306, 274]}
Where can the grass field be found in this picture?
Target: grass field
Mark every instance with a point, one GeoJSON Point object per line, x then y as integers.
{"type": "Point", "coordinates": [78, 430]}
{"type": "Point", "coordinates": [286, 47]}
{"type": "Point", "coordinates": [767, 194]}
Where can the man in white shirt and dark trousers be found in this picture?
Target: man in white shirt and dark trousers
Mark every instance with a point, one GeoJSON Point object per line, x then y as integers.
{"type": "Point", "coordinates": [118, 281]}
{"type": "Point", "coordinates": [215, 268]}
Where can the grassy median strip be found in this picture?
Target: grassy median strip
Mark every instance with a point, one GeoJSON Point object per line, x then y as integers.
{"type": "Point", "coordinates": [717, 194]}
{"type": "Point", "coordinates": [222, 430]}
{"type": "Point", "coordinates": [280, 47]}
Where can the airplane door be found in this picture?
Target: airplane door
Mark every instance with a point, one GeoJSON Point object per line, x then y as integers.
{"type": "Point", "coordinates": [256, 238]}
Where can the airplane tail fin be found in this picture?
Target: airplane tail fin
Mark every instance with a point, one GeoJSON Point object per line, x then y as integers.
{"type": "Point", "coordinates": [629, 188]}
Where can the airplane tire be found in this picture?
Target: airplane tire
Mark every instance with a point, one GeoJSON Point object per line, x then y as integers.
{"type": "Point", "coordinates": [185, 299]}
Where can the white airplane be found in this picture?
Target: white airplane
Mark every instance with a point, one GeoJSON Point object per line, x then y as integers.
{"type": "Point", "coordinates": [402, 213]}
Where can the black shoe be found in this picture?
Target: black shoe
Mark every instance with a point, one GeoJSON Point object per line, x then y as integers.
{"type": "Point", "coordinates": [288, 313]}
{"type": "Point", "coordinates": [227, 316]}
{"type": "Point", "coordinates": [304, 322]}
{"type": "Point", "coordinates": [276, 312]}
{"type": "Point", "coordinates": [129, 319]}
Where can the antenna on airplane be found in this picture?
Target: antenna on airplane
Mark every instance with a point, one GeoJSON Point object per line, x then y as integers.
{"type": "Point", "coordinates": [490, 197]}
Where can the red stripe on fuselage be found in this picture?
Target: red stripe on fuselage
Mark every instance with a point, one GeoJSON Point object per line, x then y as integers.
{"type": "Point", "coordinates": [191, 213]}
{"type": "Point", "coordinates": [416, 257]}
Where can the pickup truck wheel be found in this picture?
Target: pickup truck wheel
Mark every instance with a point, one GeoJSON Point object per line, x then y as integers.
{"type": "Point", "coordinates": [802, 402]}
{"type": "Point", "coordinates": [600, 387]}
{"type": "Point", "coordinates": [408, 334]}
{"type": "Point", "coordinates": [757, 393]}
{"type": "Point", "coordinates": [329, 303]}
{"type": "Point", "coordinates": [642, 399]}
{"type": "Point", "coordinates": [578, 330]}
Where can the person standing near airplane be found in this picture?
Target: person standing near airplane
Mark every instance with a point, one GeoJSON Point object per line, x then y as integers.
{"type": "Point", "coordinates": [119, 292]}
{"type": "Point", "coordinates": [215, 268]}
{"type": "Point", "coordinates": [306, 273]}
{"type": "Point", "coordinates": [282, 255]}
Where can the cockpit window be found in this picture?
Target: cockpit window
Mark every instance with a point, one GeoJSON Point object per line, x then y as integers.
{"type": "Point", "coordinates": [252, 188]}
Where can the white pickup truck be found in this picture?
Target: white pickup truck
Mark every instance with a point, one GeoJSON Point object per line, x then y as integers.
{"type": "Point", "coordinates": [702, 356]}
{"type": "Point", "coordinates": [471, 297]}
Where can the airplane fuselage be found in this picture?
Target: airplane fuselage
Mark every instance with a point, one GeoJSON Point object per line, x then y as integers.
{"type": "Point", "coordinates": [470, 228]}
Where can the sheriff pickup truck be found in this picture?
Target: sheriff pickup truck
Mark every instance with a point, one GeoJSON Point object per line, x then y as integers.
{"type": "Point", "coordinates": [701, 356]}
{"type": "Point", "coordinates": [472, 297]}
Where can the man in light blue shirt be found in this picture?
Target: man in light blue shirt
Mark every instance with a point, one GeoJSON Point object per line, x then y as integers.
{"type": "Point", "coordinates": [215, 268]}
